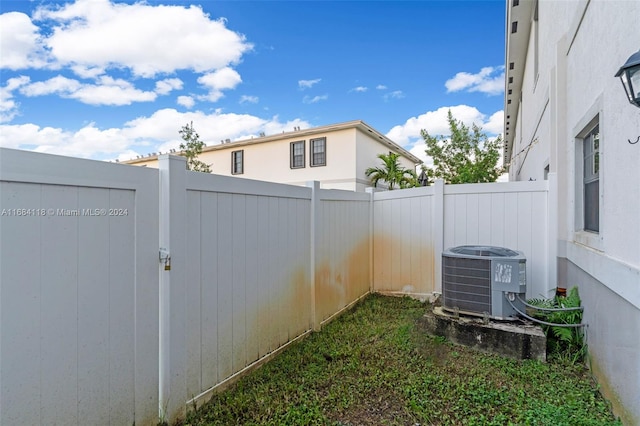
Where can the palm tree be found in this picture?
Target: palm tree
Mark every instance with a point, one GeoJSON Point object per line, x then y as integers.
{"type": "Point", "coordinates": [392, 173]}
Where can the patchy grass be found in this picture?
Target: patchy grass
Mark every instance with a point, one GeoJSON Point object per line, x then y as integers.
{"type": "Point", "coordinates": [373, 367]}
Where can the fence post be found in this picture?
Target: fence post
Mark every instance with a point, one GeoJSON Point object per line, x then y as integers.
{"type": "Point", "coordinates": [552, 233]}
{"type": "Point", "coordinates": [172, 391]}
{"type": "Point", "coordinates": [438, 232]}
{"type": "Point", "coordinates": [315, 205]}
{"type": "Point", "coordinates": [371, 191]}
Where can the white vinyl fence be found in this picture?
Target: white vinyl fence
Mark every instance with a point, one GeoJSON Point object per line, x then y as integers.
{"type": "Point", "coordinates": [128, 293]}
{"type": "Point", "coordinates": [413, 227]}
{"type": "Point", "coordinates": [239, 286]}
{"type": "Point", "coordinates": [78, 291]}
{"type": "Point", "coordinates": [342, 250]}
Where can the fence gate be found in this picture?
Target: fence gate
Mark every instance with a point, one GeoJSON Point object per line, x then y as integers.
{"type": "Point", "coordinates": [78, 291]}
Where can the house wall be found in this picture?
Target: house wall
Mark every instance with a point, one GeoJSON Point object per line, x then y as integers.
{"type": "Point", "coordinates": [151, 162]}
{"type": "Point", "coordinates": [271, 161]}
{"type": "Point", "coordinates": [533, 131]}
{"type": "Point", "coordinates": [350, 151]}
{"type": "Point", "coordinates": [367, 156]}
{"type": "Point", "coordinates": [612, 339]}
{"type": "Point", "coordinates": [609, 261]}
{"type": "Point", "coordinates": [585, 44]}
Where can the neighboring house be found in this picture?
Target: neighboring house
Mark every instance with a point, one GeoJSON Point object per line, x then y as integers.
{"type": "Point", "coordinates": [567, 118]}
{"type": "Point", "coordinates": [336, 155]}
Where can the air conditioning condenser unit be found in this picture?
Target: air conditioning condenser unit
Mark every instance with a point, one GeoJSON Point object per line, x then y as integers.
{"type": "Point", "coordinates": [477, 279]}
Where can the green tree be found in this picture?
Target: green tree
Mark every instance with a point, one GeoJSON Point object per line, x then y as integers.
{"type": "Point", "coordinates": [467, 156]}
{"type": "Point", "coordinates": [392, 172]}
{"type": "Point", "coordinates": [191, 148]}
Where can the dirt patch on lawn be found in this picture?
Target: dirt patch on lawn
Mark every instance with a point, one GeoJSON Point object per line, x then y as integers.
{"type": "Point", "coordinates": [380, 408]}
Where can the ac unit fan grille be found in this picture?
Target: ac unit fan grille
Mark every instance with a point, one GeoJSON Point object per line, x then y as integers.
{"type": "Point", "coordinates": [467, 284]}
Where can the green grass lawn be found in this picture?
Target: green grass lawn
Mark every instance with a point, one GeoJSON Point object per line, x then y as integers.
{"type": "Point", "coordinates": [372, 366]}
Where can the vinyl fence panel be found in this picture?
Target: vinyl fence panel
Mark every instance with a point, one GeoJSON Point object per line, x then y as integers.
{"type": "Point", "coordinates": [412, 227]}
{"type": "Point", "coordinates": [404, 241]}
{"type": "Point", "coordinates": [78, 291]}
{"type": "Point", "coordinates": [512, 215]}
{"type": "Point", "coordinates": [245, 260]}
{"type": "Point", "coordinates": [95, 330]}
{"type": "Point", "coordinates": [342, 264]}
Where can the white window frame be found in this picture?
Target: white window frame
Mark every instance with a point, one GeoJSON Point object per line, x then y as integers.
{"type": "Point", "coordinates": [581, 235]}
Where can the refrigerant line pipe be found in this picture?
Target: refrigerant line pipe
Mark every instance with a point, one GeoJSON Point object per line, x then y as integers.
{"type": "Point", "coordinates": [506, 295]}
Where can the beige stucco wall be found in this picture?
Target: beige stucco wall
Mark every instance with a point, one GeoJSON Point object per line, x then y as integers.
{"type": "Point", "coordinates": [271, 161]}
{"type": "Point", "coordinates": [349, 152]}
{"type": "Point", "coordinates": [148, 162]}
{"type": "Point", "coordinates": [368, 150]}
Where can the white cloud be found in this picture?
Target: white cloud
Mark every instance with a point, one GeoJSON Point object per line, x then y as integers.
{"type": "Point", "coordinates": [112, 92]}
{"type": "Point", "coordinates": [381, 87]}
{"type": "Point", "coordinates": [94, 35]}
{"type": "Point", "coordinates": [8, 106]}
{"type": "Point", "coordinates": [436, 124]}
{"type": "Point", "coordinates": [315, 99]}
{"type": "Point", "coordinates": [306, 84]}
{"type": "Point", "coordinates": [86, 71]}
{"type": "Point", "coordinates": [154, 133]}
{"type": "Point", "coordinates": [489, 80]}
{"type": "Point", "coordinates": [495, 124]}
{"type": "Point", "coordinates": [108, 91]}
{"type": "Point", "coordinates": [20, 43]}
{"type": "Point", "coordinates": [249, 99]}
{"type": "Point", "coordinates": [84, 143]}
{"type": "Point", "coordinates": [216, 82]}
{"type": "Point", "coordinates": [396, 94]}
{"type": "Point", "coordinates": [360, 89]}
{"type": "Point", "coordinates": [165, 86]}
{"type": "Point", "coordinates": [59, 84]}
{"type": "Point", "coordinates": [186, 101]}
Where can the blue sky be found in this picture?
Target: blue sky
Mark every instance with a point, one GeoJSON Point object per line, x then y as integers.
{"type": "Point", "coordinates": [105, 80]}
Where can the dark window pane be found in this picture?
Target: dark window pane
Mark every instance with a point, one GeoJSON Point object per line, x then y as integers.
{"type": "Point", "coordinates": [297, 154]}
{"type": "Point", "coordinates": [592, 206]}
{"type": "Point", "coordinates": [591, 166]}
{"type": "Point", "coordinates": [236, 162]}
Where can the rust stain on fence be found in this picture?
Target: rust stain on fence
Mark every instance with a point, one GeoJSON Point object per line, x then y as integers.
{"type": "Point", "coordinates": [340, 283]}
{"type": "Point", "coordinates": [401, 266]}
{"type": "Point", "coordinates": [299, 300]}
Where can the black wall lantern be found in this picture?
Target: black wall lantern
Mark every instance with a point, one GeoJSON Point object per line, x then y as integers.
{"type": "Point", "coordinates": [629, 74]}
{"type": "Point", "coordinates": [423, 180]}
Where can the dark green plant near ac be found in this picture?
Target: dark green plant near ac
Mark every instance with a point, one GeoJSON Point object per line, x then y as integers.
{"type": "Point", "coordinates": [563, 342]}
{"type": "Point", "coordinates": [466, 156]}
